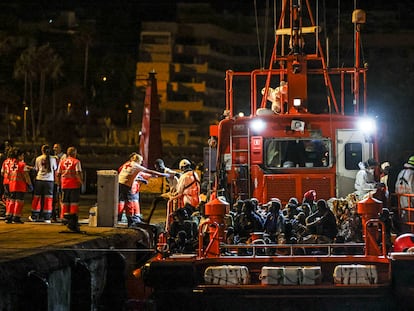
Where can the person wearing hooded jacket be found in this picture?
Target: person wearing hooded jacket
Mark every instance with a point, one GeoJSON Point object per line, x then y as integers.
{"type": "Point", "coordinates": [405, 185]}
{"type": "Point", "coordinates": [365, 180]}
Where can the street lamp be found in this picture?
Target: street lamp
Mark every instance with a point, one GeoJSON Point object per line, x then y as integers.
{"type": "Point", "coordinates": [69, 107]}
{"type": "Point", "coordinates": [25, 123]}
{"type": "Point", "coordinates": [128, 116]}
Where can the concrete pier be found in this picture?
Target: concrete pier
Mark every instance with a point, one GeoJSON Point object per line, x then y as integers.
{"type": "Point", "coordinates": [42, 267]}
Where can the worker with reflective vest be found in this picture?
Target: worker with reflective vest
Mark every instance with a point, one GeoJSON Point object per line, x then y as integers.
{"type": "Point", "coordinates": [188, 186]}
{"type": "Point", "coordinates": [69, 175]}
{"type": "Point", "coordinates": [19, 183]}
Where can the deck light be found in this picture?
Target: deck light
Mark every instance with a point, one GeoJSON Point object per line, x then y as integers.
{"type": "Point", "coordinates": [367, 126]}
{"type": "Point", "coordinates": [297, 102]}
{"type": "Point", "coordinates": [257, 125]}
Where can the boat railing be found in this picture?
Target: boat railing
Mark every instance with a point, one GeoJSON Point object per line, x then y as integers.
{"type": "Point", "coordinates": [406, 209]}
{"type": "Point", "coordinates": [257, 249]}
{"type": "Point", "coordinates": [374, 244]}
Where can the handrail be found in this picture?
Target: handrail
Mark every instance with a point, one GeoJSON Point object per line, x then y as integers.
{"type": "Point", "coordinates": [290, 249]}
{"type": "Point", "coordinates": [213, 242]}
{"type": "Point", "coordinates": [408, 209]}
{"type": "Point", "coordinates": [371, 242]}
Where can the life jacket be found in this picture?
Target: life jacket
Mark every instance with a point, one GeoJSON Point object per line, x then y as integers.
{"type": "Point", "coordinates": [191, 189]}
{"type": "Point", "coordinates": [17, 180]}
{"type": "Point", "coordinates": [68, 169]}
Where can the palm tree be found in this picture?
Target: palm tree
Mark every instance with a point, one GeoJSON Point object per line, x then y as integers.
{"type": "Point", "coordinates": [37, 64]}
{"type": "Point", "coordinates": [84, 38]}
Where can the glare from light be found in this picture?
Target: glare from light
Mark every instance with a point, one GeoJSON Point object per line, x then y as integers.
{"type": "Point", "coordinates": [297, 102]}
{"type": "Point", "coordinates": [367, 125]}
{"type": "Point", "coordinates": [241, 114]}
{"type": "Point", "coordinates": [257, 125]}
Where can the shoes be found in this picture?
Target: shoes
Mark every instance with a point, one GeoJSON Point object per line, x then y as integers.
{"type": "Point", "coordinates": [48, 221]}
{"type": "Point", "coordinates": [8, 220]}
{"type": "Point", "coordinates": [17, 220]}
{"type": "Point", "coordinates": [32, 219]}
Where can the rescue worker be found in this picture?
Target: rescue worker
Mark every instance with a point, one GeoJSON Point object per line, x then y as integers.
{"type": "Point", "coordinates": [134, 206]}
{"type": "Point", "coordinates": [5, 171]}
{"type": "Point", "coordinates": [128, 197]}
{"type": "Point", "coordinates": [405, 185]}
{"type": "Point", "coordinates": [365, 180]}
{"type": "Point", "coordinates": [42, 202]}
{"type": "Point", "coordinates": [57, 192]}
{"type": "Point", "coordinates": [188, 187]}
{"type": "Point", "coordinates": [19, 183]}
{"type": "Point", "coordinates": [69, 178]}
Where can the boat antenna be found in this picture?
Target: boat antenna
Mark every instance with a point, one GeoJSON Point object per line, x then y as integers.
{"type": "Point", "coordinates": [262, 54]}
{"type": "Point", "coordinates": [258, 35]}
{"type": "Point", "coordinates": [339, 33]}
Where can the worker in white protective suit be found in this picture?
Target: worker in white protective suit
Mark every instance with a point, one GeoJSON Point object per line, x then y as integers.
{"type": "Point", "coordinates": [365, 180]}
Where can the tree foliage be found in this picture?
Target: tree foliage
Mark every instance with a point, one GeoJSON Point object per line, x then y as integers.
{"type": "Point", "coordinates": [38, 67]}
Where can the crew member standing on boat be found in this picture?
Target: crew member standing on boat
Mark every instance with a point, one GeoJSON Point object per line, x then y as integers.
{"type": "Point", "coordinates": [405, 185]}
{"type": "Point", "coordinates": [365, 180]}
{"type": "Point", "coordinates": [188, 187]}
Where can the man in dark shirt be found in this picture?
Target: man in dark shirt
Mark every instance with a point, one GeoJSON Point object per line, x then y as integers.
{"type": "Point", "coordinates": [322, 224]}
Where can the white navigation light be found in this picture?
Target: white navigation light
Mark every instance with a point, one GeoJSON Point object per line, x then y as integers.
{"type": "Point", "coordinates": [367, 125]}
{"type": "Point", "coordinates": [257, 125]}
{"type": "Point", "coordinates": [297, 102]}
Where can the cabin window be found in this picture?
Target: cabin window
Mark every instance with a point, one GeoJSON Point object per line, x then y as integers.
{"type": "Point", "coordinates": [281, 153]}
{"type": "Point", "coordinates": [353, 155]}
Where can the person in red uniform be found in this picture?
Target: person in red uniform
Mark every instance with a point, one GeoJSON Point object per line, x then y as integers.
{"type": "Point", "coordinates": [42, 202]}
{"type": "Point", "coordinates": [69, 177]}
{"type": "Point", "coordinates": [5, 170]}
{"type": "Point", "coordinates": [19, 183]}
{"type": "Point", "coordinates": [57, 192]}
{"type": "Point", "coordinates": [129, 177]}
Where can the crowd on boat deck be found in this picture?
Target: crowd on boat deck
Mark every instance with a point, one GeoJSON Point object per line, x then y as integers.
{"type": "Point", "coordinates": [310, 221]}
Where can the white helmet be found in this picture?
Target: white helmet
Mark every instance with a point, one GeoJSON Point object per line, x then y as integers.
{"type": "Point", "coordinates": [184, 163]}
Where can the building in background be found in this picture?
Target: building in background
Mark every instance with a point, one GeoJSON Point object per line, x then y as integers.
{"type": "Point", "coordinates": [190, 57]}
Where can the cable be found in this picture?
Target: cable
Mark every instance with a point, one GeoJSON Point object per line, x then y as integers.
{"type": "Point", "coordinates": [257, 35]}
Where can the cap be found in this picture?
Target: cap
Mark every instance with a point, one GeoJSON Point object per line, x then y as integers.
{"type": "Point", "coordinates": [384, 165]}
{"type": "Point", "coordinates": [411, 160]}
{"type": "Point", "coordinates": [310, 195]}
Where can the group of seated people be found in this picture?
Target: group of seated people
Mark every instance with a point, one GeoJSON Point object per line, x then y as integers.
{"type": "Point", "coordinates": [308, 222]}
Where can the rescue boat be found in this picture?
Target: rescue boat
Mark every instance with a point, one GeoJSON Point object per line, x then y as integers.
{"type": "Point", "coordinates": [297, 135]}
